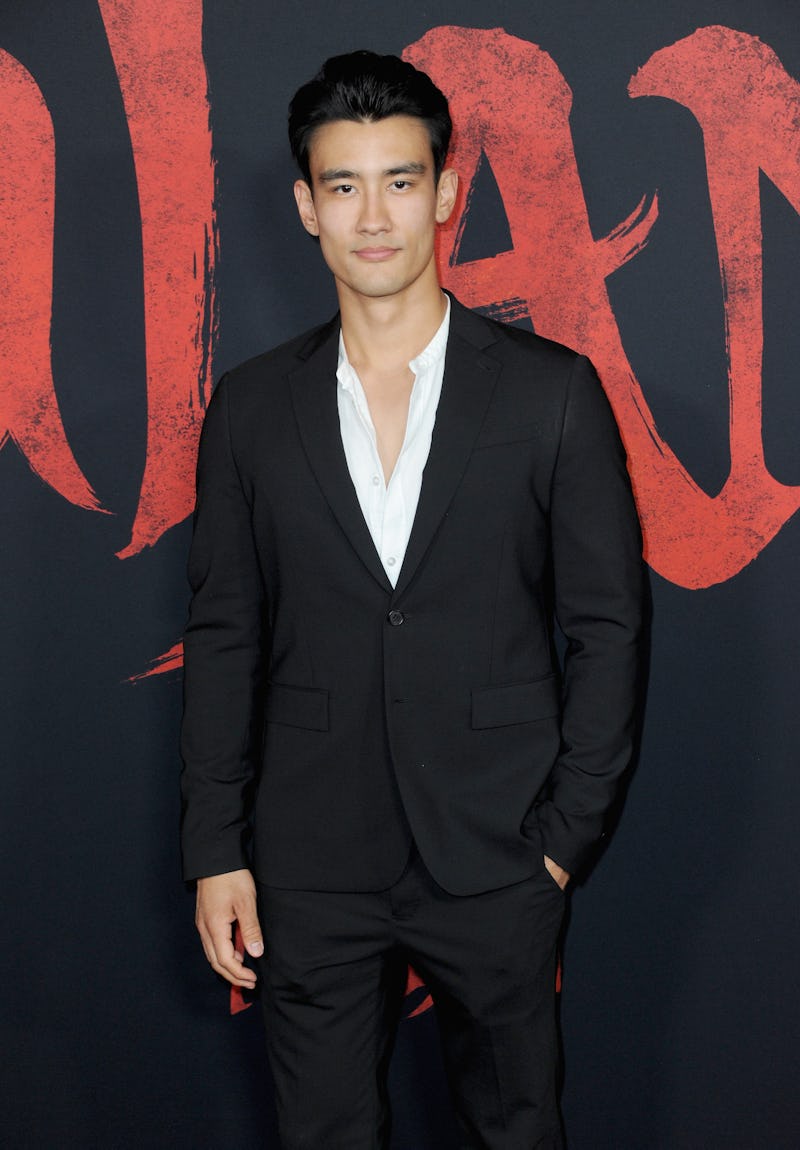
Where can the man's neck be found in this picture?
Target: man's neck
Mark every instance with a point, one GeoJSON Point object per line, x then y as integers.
{"type": "Point", "coordinates": [383, 335]}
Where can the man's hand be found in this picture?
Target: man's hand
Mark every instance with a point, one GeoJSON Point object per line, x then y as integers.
{"type": "Point", "coordinates": [559, 876]}
{"type": "Point", "coordinates": [222, 900]}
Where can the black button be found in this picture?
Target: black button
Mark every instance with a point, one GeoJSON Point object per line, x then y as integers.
{"type": "Point", "coordinates": [396, 618]}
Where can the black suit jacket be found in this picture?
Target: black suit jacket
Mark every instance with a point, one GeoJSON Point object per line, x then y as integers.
{"type": "Point", "coordinates": [334, 717]}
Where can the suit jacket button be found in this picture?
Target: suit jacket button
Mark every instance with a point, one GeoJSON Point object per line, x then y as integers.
{"type": "Point", "coordinates": [396, 618]}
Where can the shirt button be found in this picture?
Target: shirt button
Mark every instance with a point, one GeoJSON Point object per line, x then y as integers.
{"type": "Point", "coordinates": [390, 562]}
{"type": "Point", "coordinates": [396, 618]}
{"type": "Point", "coordinates": [376, 480]}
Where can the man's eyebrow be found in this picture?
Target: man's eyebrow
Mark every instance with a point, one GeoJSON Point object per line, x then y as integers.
{"type": "Point", "coordinates": [409, 168]}
{"type": "Point", "coordinates": [412, 168]}
{"type": "Point", "coordinates": [336, 174]}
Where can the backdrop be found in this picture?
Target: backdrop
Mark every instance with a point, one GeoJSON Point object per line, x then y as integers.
{"type": "Point", "coordinates": [631, 171]}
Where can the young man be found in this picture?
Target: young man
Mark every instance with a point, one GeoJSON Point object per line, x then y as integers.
{"type": "Point", "coordinates": [392, 511]}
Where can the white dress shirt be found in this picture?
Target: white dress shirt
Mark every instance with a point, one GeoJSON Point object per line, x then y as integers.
{"type": "Point", "coordinates": [389, 509]}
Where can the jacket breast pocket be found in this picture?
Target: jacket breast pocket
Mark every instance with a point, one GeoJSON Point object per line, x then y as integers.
{"type": "Point", "coordinates": [515, 703]}
{"type": "Point", "coordinates": [305, 707]}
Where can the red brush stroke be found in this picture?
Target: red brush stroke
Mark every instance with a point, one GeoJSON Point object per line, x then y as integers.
{"type": "Point", "coordinates": [748, 108]}
{"type": "Point", "coordinates": [157, 51]}
{"type": "Point", "coordinates": [510, 102]}
{"type": "Point", "coordinates": [29, 412]}
{"type": "Point", "coordinates": [171, 660]}
{"type": "Point", "coordinates": [414, 982]}
{"type": "Point", "coordinates": [238, 1003]}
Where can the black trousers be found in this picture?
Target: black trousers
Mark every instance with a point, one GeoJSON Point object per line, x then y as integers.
{"type": "Point", "coordinates": [333, 982]}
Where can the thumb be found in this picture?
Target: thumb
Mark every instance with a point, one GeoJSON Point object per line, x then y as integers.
{"type": "Point", "coordinates": [251, 934]}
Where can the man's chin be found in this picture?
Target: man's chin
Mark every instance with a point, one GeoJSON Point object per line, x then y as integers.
{"type": "Point", "coordinates": [376, 287]}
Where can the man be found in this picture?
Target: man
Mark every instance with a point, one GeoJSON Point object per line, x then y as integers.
{"type": "Point", "coordinates": [392, 511]}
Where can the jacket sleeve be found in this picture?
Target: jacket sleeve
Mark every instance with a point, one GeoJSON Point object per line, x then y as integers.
{"type": "Point", "coordinates": [598, 584]}
{"type": "Point", "coordinates": [223, 647]}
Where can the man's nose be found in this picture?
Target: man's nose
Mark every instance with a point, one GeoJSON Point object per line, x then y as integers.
{"type": "Point", "coordinates": [374, 216]}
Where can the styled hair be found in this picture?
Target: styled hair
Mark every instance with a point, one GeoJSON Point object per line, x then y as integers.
{"type": "Point", "coordinates": [363, 87]}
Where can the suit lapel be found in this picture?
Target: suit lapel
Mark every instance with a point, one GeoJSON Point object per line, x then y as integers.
{"type": "Point", "coordinates": [469, 380]}
{"type": "Point", "coordinates": [313, 388]}
{"type": "Point", "coordinates": [467, 387]}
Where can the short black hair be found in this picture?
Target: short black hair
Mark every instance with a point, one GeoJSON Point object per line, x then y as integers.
{"type": "Point", "coordinates": [363, 87]}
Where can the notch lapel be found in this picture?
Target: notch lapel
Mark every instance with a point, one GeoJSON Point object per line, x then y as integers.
{"type": "Point", "coordinates": [313, 389]}
{"type": "Point", "coordinates": [469, 380]}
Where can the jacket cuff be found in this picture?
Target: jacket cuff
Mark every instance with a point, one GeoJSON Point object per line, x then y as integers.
{"type": "Point", "coordinates": [568, 839]}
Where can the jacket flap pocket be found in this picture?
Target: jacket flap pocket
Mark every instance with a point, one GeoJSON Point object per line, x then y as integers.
{"type": "Point", "coordinates": [518, 703]}
{"type": "Point", "coordinates": [297, 706]}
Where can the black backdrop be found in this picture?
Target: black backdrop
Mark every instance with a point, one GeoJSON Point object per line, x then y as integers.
{"type": "Point", "coordinates": [680, 1008]}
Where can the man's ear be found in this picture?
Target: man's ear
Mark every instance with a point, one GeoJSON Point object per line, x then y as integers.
{"type": "Point", "coordinates": [446, 192]}
{"type": "Point", "coordinates": [305, 207]}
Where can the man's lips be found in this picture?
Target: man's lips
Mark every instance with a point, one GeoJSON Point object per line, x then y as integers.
{"type": "Point", "coordinates": [375, 255]}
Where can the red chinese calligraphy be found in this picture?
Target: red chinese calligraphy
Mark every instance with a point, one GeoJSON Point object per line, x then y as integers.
{"type": "Point", "coordinates": [29, 412]}
{"type": "Point", "coordinates": [157, 50]}
{"type": "Point", "coordinates": [511, 104]}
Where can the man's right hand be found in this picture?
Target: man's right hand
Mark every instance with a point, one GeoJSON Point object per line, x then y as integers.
{"type": "Point", "coordinates": [223, 900]}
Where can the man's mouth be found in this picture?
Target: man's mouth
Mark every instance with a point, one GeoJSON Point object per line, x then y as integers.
{"type": "Point", "coordinates": [375, 255]}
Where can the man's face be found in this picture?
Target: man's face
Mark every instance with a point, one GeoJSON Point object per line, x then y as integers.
{"type": "Point", "coordinates": [374, 205]}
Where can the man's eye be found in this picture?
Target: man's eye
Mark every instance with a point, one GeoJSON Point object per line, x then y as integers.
{"type": "Point", "coordinates": [344, 189]}
{"type": "Point", "coordinates": [401, 184]}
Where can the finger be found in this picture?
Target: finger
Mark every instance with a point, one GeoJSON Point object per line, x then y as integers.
{"type": "Point", "coordinates": [250, 932]}
{"type": "Point", "coordinates": [229, 964]}
{"type": "Point", "coordinates": [207, 941]}
{"type": "Point", "coordinates": [215, 935]}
